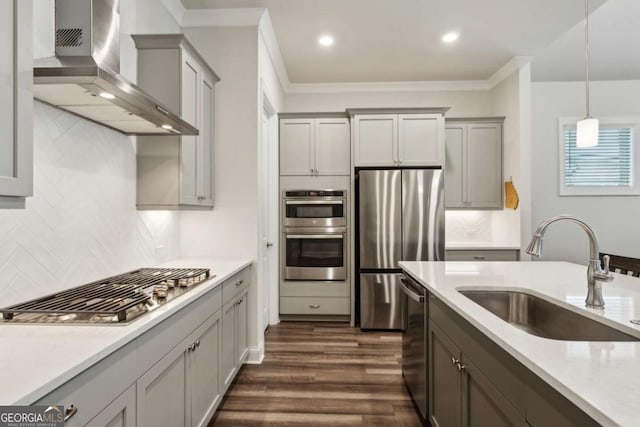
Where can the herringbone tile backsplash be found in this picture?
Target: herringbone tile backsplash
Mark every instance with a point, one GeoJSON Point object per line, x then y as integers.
{"type": "Point", "coordinates": [81, 223]}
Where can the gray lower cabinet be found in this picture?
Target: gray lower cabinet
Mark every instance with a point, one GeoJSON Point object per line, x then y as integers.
{"type": "Point", "coordinates": [120, 413]}
{"type": "Point", "coordinates": [474, 382]}
{"type": "Point", "coordinates": [182, 389]}
{"type": "Point", "coordinates": [234, 336]}
{"type": "Point", "coordinates": [173, 374]}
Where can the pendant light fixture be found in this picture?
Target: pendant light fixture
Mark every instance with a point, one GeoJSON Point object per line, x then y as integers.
{"type": "Point", "coordinates": [587, 128]}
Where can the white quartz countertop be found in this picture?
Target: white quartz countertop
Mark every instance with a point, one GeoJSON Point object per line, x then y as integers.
{"type": "Point", "coordinates": [38, 358]}
{"type": "Point", "coordinates": [601, 378]}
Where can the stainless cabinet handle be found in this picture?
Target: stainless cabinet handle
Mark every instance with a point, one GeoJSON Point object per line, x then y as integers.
{"type": "Point", "coordinates": [314, 306]}
{"type": "Point", "coordinates": [69, 413]}
{"type": "Point", "coordinates": [311, 170]}
{"type": "Point", "coordinates": [269, 244]}
{"type": "Point", "coordinates": [454, 361]}
{"type": "Point", "coordinates": [461, 368]}
{"type": "Point", "coordinates": [191, 347]}
{"type": "Point", "coordinates": [479, 257]}
{"type": "Point", "coordinates": [197, 343]}
{"type": "Point", "coordinates": [239, 282]}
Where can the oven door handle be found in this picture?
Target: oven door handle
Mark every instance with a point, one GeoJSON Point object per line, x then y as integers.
{"type": "Point", "coordinates": [315, 236]}
{"type": "Point", "coordinates": [313, 202]}
{"type": "Point", "coordinates": [411, 294]}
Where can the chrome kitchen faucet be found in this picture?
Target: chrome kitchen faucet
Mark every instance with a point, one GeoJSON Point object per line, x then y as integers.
{"type": "Point", "coordinates": [595, 273]}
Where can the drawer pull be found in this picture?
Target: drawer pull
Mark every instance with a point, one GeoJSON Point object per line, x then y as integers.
{"type": "Point", "coordinates": [479, 257]}
{"type": "Point", "coordinates": [239, 282]}
{"type": "Point", "coordinates": [454, 361]}
{"type": "Point", "coordinates": [69, 413]}
{"type": "Point", "coordinates": [314, 306]}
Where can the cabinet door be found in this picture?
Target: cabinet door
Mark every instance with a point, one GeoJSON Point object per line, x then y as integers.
{"type": "Point", "coordinates": [204, 371]}
{"type": "Point", "coordinates": [120, 413]}
{"type": "Point", "coordinates": [376, 139]}
{"type": "Point", "coordinates": [296, 146]}
{"type": "Point", "coordinates": [420, 139]}
{"type": "Point", "coordinates": [228, 350]}
{"type": "Point", "coordinates": [242, 348]}
{"type": "Point", "coordinates": [482, 403]}
{"type": "Point", "coordinates": [455, 165]}
{"type": "Point", "coordinates": [484, 165]}
{"type": "Point", "coordinates": [189, 144]}
{"type": "Point", "coordinates": [332, 147]}
{"type": "Point", "coordinates": [445, 383]}
{"type": "Point", "coordinates": [162, 393]}
{"type": "Point", "coordinates": [205, 146]}
{"type": "Point", "coordinates": [16, 99]}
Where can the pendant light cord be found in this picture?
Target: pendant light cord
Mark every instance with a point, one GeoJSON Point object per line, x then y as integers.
{"type": "Point", "coordinates": [586, 52]}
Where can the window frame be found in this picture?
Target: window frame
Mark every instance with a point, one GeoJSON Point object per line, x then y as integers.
{"type": "Point", "coordinates": [634, 190]}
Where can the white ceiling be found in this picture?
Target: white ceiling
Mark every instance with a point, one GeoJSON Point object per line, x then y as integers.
{"type": "Point", "coordinates": [614, 34]}
{"type": "Point", "coordinates": [399, 40]}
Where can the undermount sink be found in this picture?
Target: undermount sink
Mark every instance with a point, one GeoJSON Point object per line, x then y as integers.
{"type": "Point", "coordinates": [537, 316]}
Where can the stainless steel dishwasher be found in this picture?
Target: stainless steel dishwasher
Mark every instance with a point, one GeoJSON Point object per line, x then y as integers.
{"type": "Point", "coordinates": [414, 343]}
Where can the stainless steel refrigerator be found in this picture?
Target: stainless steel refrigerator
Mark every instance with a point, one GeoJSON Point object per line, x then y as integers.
{"type": "Point", "coordinates": [400, 218]}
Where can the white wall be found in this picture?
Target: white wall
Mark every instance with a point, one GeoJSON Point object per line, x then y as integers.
{"type": "Point", "coordinates": [230, 231]}
{"type": "Point", "coordinates": [462, 103]}
{"type": "Point", "coordinates": [614, 218]}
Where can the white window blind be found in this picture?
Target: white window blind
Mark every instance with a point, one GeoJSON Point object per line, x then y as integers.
{"type": "Point", "coordinates": [609, 164]}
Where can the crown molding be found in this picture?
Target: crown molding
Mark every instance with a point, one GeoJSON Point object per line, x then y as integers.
{"type": "Point", "coordinates": [241, 17]}
{"type": "Point", "coordinates": [507, 69]}
{"type": "Point", "coordinates": [357, 87]}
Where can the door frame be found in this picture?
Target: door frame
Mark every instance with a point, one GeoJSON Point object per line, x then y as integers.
{"type": "Point", "coordinates": [268, 211]}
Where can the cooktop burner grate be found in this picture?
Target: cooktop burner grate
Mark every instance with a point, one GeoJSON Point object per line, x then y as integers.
{"type": "Point", "coordinates": [110, 298]}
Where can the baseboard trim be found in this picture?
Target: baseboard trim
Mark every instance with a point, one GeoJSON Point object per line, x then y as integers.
{"type": "Point", "coordinates": [256, 355]}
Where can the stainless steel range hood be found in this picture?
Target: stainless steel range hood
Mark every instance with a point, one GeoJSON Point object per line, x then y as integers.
{"type": "Point", "coordinates": [83, 77]}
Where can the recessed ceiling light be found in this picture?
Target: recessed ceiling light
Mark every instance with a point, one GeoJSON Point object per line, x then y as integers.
{"type": "Point", "coordinates": [450, 37]}
{"type": "Point", "coordinates": [325, 40]}
{"type": "Point", "coordinates": [106, 95]}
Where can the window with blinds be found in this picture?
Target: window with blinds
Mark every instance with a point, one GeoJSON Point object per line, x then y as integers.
{"type": "Point", "coordinates": [608, 164]}
{"type": "Point", "coordinates": [609, 168]}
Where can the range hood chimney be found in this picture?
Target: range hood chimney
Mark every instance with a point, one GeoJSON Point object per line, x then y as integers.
{"type": "Point", "coordinates": [84, 75]}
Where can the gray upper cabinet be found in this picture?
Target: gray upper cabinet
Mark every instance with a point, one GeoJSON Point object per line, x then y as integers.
{"type": "Point", "coordinates": [176, 172]}
{"type": "Point", "coordinates": [473, 163]}
{"type": "Point", "coordinates": [398, 138]}
{"type": "Point", "coordinates": [314, 146]}
{"type": "Point", "coordinates": [16, 99]}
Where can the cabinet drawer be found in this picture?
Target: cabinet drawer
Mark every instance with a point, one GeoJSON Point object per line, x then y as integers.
{"type": "Point", "coordinates": [483, 255]}
{"type": "Point", "coordinates": [94, 389]}
{"type": "Point", "coordinates": [314, 305]}
{"type": "Point", "coordinates": [314, 289]}
{"type": "Point", "coordinates": [231, 287]}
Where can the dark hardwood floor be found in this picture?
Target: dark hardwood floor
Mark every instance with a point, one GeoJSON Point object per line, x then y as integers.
{"type": "Point", "coordinates": [321, 374]}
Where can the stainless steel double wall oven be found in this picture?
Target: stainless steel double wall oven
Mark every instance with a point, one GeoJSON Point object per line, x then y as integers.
{"type": "Point", "coordinates": [314, 238]}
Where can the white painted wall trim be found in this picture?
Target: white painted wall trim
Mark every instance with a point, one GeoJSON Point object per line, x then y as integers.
{"type": "Point", "coordinates": [256, 355]}
{"type": "Point", "coordinates": [514, 64]}
{"type": "Point", "coordinates": [356, 87]}
{"type": "Point", "coordinates": [176, 10]}
{"type": "Point", "coordinates": [240, 17]}
{"type": "Point", "coordinates": [268, 35]}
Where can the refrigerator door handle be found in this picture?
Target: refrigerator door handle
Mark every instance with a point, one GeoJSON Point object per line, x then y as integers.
{"type": "Point", "coordinates": [411, 294]}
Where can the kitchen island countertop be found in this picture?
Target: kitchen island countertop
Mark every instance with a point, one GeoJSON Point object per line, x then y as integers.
{"type": "Point", "coordinates": [601, 378]}
{"type": "Point", "coordinates": [38, 358]}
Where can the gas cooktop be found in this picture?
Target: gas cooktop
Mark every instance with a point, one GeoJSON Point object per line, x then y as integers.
{"type": "Point", "coordinates": [115, 300]}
